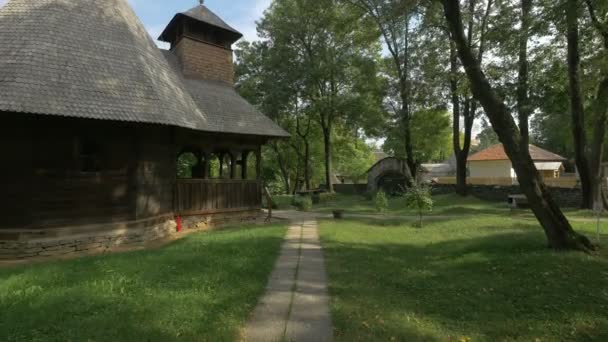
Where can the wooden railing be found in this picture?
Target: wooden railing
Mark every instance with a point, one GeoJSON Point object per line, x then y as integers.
{"type": "Point", "coordinates": [564, 182]}
{"type": "Point", "coordinates": [202, 196]}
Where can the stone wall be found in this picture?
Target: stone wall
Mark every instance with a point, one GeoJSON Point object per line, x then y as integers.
{"type": "Point", "coordinates": [564, 197]}
{"type": "Point", "coordinates": [350, 189]}
{"type": "Point", "coordinates": [202, 60]}
{"type": "Point", "coordinates": [31, 246]}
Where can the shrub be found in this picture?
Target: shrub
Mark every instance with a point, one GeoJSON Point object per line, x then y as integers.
{"type": "Point", "coordinates": [279, 201]}
{"type": "Point", "coordinates": [419, 198]}
{"type": "Point", "coordinates": [380, 201]}
{"type": "Point", "coordinates": [327, 197]}
{"type": "Point", "coordinates": [303, 203]}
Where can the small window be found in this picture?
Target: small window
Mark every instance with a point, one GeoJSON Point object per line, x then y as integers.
{"type": "Point", "coordinates": [90, 156]}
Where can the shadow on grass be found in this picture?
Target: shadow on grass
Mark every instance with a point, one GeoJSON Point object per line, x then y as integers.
{"type": "Point", "coordinates": [503, 286]}
{"type": "Point", "coordinates": [463, 210]}
{"type": "Point", "coordinates": [200, 288]}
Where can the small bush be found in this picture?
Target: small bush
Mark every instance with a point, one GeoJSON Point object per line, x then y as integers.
{"type": "Point", "coordinates": [327, 197]}
{"type": "Point", "coordinates": [381, 202]}
{"type": "Point", "coordinates": [279, 201]}
{"type": "Point", "coordinates": [303, 203]}
{"type": "Point", "coordinates": [419, 198]}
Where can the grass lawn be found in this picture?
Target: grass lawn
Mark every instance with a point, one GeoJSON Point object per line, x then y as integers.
{"type": "Point", "coordinates": [444, 205]}
{"type": "Point", "coordinates": [476, 278]}
{"type": "Point", "coordinates": [201, 288]}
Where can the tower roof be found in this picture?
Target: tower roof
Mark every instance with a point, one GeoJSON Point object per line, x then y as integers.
{"type": "Point", "coordinates": [200, 14]}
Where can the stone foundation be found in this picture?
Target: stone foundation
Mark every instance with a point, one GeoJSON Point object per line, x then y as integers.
{"type": "Point", "coordinates": [26, 244]}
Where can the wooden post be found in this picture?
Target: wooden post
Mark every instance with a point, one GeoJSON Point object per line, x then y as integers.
{"type": "Point", "coordinates": [258, 166]}
{"type": "Point", "coordinates": [221, 157]}
{"type": "Point", "coordinates": [204, 164]}
{"type": "Point", "coordinates": [244, 156]}
{"type": "Point", "coordinates": [232, 165]}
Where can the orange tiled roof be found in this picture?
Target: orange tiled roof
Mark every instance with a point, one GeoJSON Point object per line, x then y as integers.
{"type": "Point", "coordinates": [497, 152]}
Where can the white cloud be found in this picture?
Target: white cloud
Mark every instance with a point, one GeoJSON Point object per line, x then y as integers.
{"type": "Point", "coordinates": [248, 13]}
{"type": "Point", "coordinates": [247, 23]}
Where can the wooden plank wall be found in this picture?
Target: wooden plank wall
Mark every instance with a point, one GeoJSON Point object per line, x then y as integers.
{"type": "Point", "coordinates": [197, 197]}
{"type": "Point", "coordinates": [155, 171]}
{"type": "Point", "coordinates": [42, 184]}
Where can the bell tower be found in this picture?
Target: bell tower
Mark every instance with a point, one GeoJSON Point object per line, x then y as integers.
{"type": "Point", "coordinates": [202, 42]}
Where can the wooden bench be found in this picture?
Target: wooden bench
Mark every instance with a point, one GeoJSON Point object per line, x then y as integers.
{"type": "Point", "coordinates": [517, 201]}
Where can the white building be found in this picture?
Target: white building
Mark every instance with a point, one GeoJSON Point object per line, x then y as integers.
{"type": "Point", "coordinates": [494, 163]}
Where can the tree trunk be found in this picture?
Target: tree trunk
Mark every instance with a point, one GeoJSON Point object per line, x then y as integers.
{"type": "Point", "coordinates": [523, 104]}
{"type": "Point", "coordinates": [328, 165]}
{"type": "Point", "coordinates": [600, 108]}
{"type": "Point", "coordinates": [470, 110]}
{"type": "Point", "coordinates": [558, 230]}
{"type": "Point", "coordinates": [409, 149]}
{"type": "Point", "coordinates": [576, 104]}
{"type": "Point", "coordinates": [597, 145]}
{"type": "Point", "coordinates": [461, 158]}
{"type": "Point", "coordinates": [282, 168]}
{"type": "Point", "coordinates": [307, 165]}
{"type": "Point", "coordinates": [303, 134]}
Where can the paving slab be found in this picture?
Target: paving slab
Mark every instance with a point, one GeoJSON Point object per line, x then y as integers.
{"type": "Point", "coordinates": [295, 306]}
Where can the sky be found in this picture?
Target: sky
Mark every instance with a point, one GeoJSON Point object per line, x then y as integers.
{"type": "Point", "coordinates": [240, 14]}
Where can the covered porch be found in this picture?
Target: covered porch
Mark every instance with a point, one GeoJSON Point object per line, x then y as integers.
{"type": "Point", "coordinates": [218, 180]}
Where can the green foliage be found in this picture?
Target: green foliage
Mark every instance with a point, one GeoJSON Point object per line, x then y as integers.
{"type": "Point", "coordinates": [214, 167]}
{"type": "Point", "coordinates": [185, 163]}
{"type": "Point", "coordinates": [487, 137]}
{"type": "Point", "coordinates": [380, 201]}
{"type": "Point", "coordinates": [432, 132]}
{"type": "Point", "coordinates": [332, 82]}
{"type": "Point", "coordinates": [419, 198]}
{"type": "Point", "coordinates": [303, 203]}
{"type": "Point", "coordinates": [352, 157]}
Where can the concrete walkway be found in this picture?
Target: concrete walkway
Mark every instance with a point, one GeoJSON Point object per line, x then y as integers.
{"type": "Point", "coordinates": [296, 304]}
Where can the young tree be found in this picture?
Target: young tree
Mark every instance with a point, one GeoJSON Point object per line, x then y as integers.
{"type": "Point", "coordinates": [558, 230]}
{"type": "Point", "coordinates": [419, 198]}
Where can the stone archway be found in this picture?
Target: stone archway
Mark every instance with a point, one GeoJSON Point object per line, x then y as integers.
{"type": "Point", "coordinates": [388, 174]}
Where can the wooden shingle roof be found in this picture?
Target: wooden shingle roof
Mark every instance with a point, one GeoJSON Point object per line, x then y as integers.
{"type": "Point", "coordinates": [200, 14]}
{"type": "Point", "coordinates": [227, 111]}
{"type": "Point", "coordinates": [497, 152]}
{"type": "Point", "coordinates": [94, 59]}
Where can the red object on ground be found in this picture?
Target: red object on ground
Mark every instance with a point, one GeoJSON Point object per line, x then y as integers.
{"type": "Point", "coordinates": [178, 220]}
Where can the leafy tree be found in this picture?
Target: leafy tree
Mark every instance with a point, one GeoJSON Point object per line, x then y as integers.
{"type": "Point", "coordinates": [557, 228]}
{"type": "Point", "coordinates": [588, 158]}
{"type": "Point", "coordinates": [332, 49]}
{"type": "Point", "coordinates": [395, 20]}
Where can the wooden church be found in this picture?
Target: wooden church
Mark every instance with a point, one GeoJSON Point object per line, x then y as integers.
{"type": "Point", "coordinates": [95, 118]}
